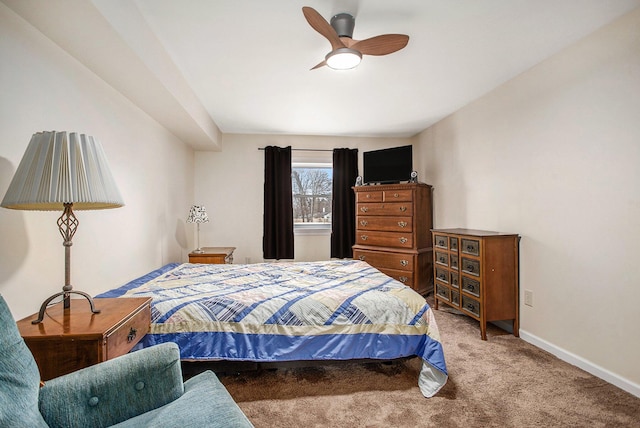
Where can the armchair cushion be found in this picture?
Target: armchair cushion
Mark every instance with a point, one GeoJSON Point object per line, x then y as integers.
{"type": "Point", "coordinates": [205, 403]}
{"type": "Point", "coordinates": [19, 376]}
{"type": "Point", "coordinates": [115, 390]}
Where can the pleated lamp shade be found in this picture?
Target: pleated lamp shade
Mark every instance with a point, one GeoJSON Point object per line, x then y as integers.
{"type": "Point", "coordinates": [59, 168]}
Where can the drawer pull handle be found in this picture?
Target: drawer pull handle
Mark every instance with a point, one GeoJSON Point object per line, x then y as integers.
{"type": "Point", "coordinates": [403, 279]}
{"type": "Point", "coordinates": [362, 258]}
{"type": "Point", "coordinates": [470, 268]}
{"type": "Point", "coordinates": [403, 208]}
{"type": "Point", "coordinates": [364, 209]}
{"type": "Point", "coordinates": [442, 259]}
{"type": "Point", "coordinates": [404, 262]}
{"type": "Point", "coordinates": [470, 307]}
{"type": "Point", "coordinates": [403, 240]}
{"type": "Point", "coordinates": [471, 287]}
{"type": "Point", "coordinates": [363, 222]}
{"type": "Point", "coordinates": [132, 334]}
{"type": "Point", "coordinates": [364, 237]}
{"type": "Point", "coordinates": [402, 223]}
{"type": "Point", "coordinates": [442, 277]}
{"type": "Point", "coordinates": [441, 243]}
{"type": "Point", "coordinates": [395, 195]}
{"type": "Point", "coordinates": [368, 196]}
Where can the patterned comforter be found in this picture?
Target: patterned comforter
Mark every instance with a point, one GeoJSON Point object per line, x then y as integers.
{"type": "Point", "coordinates": [335, 310]}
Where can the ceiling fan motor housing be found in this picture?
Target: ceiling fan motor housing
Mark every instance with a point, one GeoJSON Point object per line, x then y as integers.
{"type": "Point", "coordinates": [343, 23]}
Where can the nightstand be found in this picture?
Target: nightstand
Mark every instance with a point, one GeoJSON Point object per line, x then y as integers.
{"type": "Point", "coordinates": [66, 342]}
{"type": "Point", "coordinates": [213, 255]}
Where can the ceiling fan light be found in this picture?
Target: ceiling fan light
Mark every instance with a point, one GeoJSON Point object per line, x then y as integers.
{"type": "Point", "coordinates": [343, 59]}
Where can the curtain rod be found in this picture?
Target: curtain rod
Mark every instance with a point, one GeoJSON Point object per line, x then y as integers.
{"type": "Point", "coordinates": [305, 150]}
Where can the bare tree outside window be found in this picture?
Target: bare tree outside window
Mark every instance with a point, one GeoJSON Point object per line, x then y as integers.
{"type": "Point", "coordinates": [312, 194]}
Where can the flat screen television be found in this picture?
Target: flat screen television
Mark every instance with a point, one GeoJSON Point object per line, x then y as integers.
{"type": "Point", "coordinates": [388, 165]}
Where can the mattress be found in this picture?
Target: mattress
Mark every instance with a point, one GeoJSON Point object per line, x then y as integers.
{"type": "Point", "coordinates": [270, 312]}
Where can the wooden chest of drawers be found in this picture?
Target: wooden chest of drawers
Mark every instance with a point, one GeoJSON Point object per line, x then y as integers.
{"type": "Point", "coordinates": [476, 272]}
{"type": "Point", "coordinates": [393, 223]}
{"type": "Point", "coordinates": [73, 339]}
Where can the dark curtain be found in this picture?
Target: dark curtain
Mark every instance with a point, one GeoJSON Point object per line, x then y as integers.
{"type": "Point", "coordinates": [277, 241]}
{"type": "Point", "coordinates": [343, 214]}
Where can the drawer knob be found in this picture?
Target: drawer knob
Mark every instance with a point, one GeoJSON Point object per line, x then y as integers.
{"type": "Point", "coordinates": [403, 279]}
{"type": "Point", "coordinates": [368, 196]}
{"type": "Point", "coordinates": [404, 262]}
{"type": "Point", "coordinates": [363, 222]}
{"type": "Point", "coordinates": [403, 208]}
{"type": "Point", "coordinates": [364, 209]}
{"type": "Point", "coordinates": [362, 258]}
{"type": "Point", "coordinates": [402, 223]}
{"type": "Point", "coordinates": [395, 195]}
{"type": "Point", "coordinates": [441, 243]}
{"type": "Point", "coordinates": [403, 240]}
{"type": "Point", "coordinates": [364, 237]}
{"type": "Point", "coordinates": [471, 287]}
{"type": "Point", "coordinates": [132, 334]}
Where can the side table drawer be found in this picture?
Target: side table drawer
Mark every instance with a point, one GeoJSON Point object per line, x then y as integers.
{"type": "Point", "coordinates": [126, 335]}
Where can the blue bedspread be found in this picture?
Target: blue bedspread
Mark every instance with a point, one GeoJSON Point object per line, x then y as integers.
{"type": "Point", "coordinates": [335, 310]}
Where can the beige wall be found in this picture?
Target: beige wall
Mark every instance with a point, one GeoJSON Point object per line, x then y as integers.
{"type": "Point", "coordinates": [43, 88]}
{"type": "Point", "coordinates": [554, 155]}
{"type": "Point", "coordinates": [230, 185]}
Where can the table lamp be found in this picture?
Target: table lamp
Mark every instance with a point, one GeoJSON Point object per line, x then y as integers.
{"type": "Point", "coordinates": [198, 214]}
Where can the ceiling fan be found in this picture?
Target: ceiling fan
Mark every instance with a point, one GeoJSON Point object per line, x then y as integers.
{"type": "Point", "coordinates": [345, 51]}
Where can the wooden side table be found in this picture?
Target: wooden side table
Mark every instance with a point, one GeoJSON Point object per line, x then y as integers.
{"type": "Point", "coordinates": [68, 341]}
{"type": "Point", "coordinates": [213, 255]}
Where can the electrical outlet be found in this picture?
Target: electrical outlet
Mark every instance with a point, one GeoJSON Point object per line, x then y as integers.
{"type": "Point", "coordinates": [528, 298]}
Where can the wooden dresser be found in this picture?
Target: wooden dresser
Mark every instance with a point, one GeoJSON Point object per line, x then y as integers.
{"type": "Point", "coordinates": [393, 232]}
{"type": "Point", "coordinates": [476, 271]}
{"type": "Point", "coordinates": [66, 341]}
{"type": "Point", "coordinates": [213, 255]}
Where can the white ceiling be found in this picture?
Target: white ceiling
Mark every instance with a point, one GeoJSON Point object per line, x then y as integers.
{"type": "Point", "coordinates": [243, 65]}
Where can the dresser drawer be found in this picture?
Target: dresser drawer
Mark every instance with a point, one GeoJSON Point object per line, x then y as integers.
{"type": "Point", "coordinates": [373, 196]}
{"type": "Point", "coordinates": [443, 292]}
{"type": "Point", "coordinates": [384, 208]}
{"type": "Point", "coordinates": [471, 305]}
{"type": "Point", "coordinates": [385, 239]}
{"type": "Point", "coordinates": [126, 335]}
{"type": "Point", "coordinates": [404, 277]}
{"type": "Point", "coordinates": [440, 241]}
{"type": "Point", "coordinates": [397, 196]}
{"type": "Point", "coordinates": [388, 224]}
{"type": "Point", "coordinates": [381, 260]}
{"type": "Point", "coordinates": [471, 286]}
{"type": "Point", "coordinates": [442, 274]}
{"type": "Point", "coordinates": [471, 246]}
{"type": "Point", "coordinates": [442, 258]}
{"type": "Point", "coordinates": [470, 266]}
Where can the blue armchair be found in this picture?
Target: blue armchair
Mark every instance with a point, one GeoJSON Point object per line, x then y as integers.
{"type": "Point", "coordinates": [140, 389]}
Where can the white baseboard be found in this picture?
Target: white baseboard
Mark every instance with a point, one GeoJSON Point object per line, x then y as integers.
{"type": "Point", "coordinates": [604, 374]}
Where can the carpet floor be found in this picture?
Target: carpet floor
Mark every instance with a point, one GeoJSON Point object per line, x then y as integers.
{"type": "Point", "coordinates": [502, 382]}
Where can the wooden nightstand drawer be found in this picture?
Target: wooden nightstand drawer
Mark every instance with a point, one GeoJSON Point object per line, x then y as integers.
{"type": "Point", "coordinates": [213, 255]}
{"type": "Point", "coordinates": [124, 337]}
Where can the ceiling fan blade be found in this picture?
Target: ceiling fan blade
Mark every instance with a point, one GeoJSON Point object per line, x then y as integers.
{"type": "Point", "coordinates": [381, 45]}
{"type": "Point", "coordinates": [322, 64]}
{"type": "Point", "coordinates": [321, 25]}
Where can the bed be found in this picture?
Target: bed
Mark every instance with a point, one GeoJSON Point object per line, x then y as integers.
{"type": "Point", "coordinates": [298, 311]}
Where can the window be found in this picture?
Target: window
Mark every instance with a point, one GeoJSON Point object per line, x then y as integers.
{"type": "Point", "coordinates": [311, 185]}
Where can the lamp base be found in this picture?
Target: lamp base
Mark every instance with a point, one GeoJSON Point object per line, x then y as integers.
{"type": "Point", "coordinates": [44, 305]}
{"type": "Point", "coordinates": [198, 251]}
